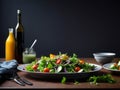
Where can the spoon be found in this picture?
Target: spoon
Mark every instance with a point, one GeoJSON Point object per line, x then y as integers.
{"type": "Point", "coordinates": [33, 44]}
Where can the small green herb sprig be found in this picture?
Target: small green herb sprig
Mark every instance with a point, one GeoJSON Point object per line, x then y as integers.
{"type": "Point", "coordinates": [106, 78]}
{"type": "Point", "coordinates": [63, 81]}
{"type": "Point", "coordinates": [103, 78]}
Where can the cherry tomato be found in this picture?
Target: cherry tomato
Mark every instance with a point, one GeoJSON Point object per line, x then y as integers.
{"type": "Point", "coordinates": [77, 69]}
{"type": "Point", "coordinates": [46, 70]}
{"type": "Point", "coordinates": [34, 67]}
{"type": "Point", "coordinates": [58, 61]}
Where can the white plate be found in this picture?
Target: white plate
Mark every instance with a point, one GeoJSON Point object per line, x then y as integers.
{"type": "Point", "coordinates": [48, 75]}
{"type": "Point", "coordinates": [107, 67]}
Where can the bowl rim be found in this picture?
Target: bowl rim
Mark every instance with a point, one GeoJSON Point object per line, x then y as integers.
{"type": "Point", "coordinates": [104, 54]}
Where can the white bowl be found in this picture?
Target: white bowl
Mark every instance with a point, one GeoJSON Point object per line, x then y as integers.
{"type": "Point", "coordinates": [104, 57]}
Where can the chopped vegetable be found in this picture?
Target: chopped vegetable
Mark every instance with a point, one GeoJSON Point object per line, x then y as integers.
{"type": "Point", "coordinates": [59, 69]}
{"type": "Point", "coordinates": [95, 79]}
{"type": "Point", "coordinates": [52, 56]}
{"type": "Point", "coordinates": [34, 67]}
{"type": "Point", "coordinates": [58, 61]}
{"type": "Point", "coordinates": [46, 70]}
{"type": "Point", "coordinates": [64, 57]}
{"type": "Point", "coordinates": [103, 78]}
{"type": "Point", "coordinates": [77, 69]}
{"type": "Point", "coordinates": [115, 66]}
{"type": "Point", "coordinates": [76, 82]}
{"type": "Point", "coordinates": [63, 81]}
{"type": "Point", "coordinates": [81, 61]}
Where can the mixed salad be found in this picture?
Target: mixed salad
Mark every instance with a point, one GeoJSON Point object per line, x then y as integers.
{"type": "Point", "coordinates": [59, 63]}
{"type": "Point", "coordinates": [115, 66]}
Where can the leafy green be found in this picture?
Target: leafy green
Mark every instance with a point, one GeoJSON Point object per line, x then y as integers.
{"type": "Point", "coordinates": [76, 82]}
{"type": "Point", "coordinates": [87, 67]}
{"type": "Point", "coordinates": [107, 78]}
{"type": "Point", "coordinates": [63, 81]}
{"type": "Point", "coordinates": [103, 78]}
{"type": "Point", "coordinates": [50, 65]}
{"type": "Point", "coordinates": [74, 59]}
{"type": "Point", "coordinates": [29, 66]}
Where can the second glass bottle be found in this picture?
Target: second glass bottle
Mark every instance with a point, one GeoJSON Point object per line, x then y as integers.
{"type": "Point", "coordinates": [19, 36]}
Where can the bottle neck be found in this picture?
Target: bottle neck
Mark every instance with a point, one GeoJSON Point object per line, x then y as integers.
{"type": "Point", "coordinates": [19, 18]}
{"type": "Point", "coordinates": [11, 33]}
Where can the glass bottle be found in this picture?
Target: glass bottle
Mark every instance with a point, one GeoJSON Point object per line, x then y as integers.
{"type": "Point", "coordinates": [19, 36]}
{"type": "Point", "coordinates": [10, 46]}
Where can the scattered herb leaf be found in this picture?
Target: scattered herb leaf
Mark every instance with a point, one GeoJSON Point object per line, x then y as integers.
{"type": "Point", "coordinates": [63, 81]}
{"type": "Point", "coordinates": [103, 78]}
{"type": "Point", "coordinates": [76, 82]}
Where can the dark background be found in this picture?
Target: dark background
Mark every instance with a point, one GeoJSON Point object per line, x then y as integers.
{"type": "Point", "coordinates": [69, 26]}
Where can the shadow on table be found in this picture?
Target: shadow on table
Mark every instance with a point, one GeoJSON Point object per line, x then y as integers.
{"type": "Point", "coordinates": [115, 73]}
{"type": "Point", "coordinates": [2, 80]}
{"type": "Point", "coordinates": [58, 78]}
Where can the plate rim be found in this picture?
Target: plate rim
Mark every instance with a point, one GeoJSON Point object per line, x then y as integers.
{"type": "Point", "coordinates": [108, 64]}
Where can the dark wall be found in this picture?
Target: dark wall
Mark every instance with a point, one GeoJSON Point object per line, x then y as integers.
{"type": "Point", "coordinates": [70, 26]}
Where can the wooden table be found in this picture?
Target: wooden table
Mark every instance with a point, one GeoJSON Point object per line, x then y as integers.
{"type": "Point", "coordinates": [43, 84]}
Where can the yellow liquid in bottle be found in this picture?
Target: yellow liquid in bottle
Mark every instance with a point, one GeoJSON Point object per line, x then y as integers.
{"type": "Point", "coordinates": [10, 46]}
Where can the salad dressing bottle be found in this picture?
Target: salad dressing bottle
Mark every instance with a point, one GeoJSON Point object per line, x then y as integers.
{"type": "Point", "coordinates": [10, 46]}
{"type": "Point", "coordinates": [19, 37]}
